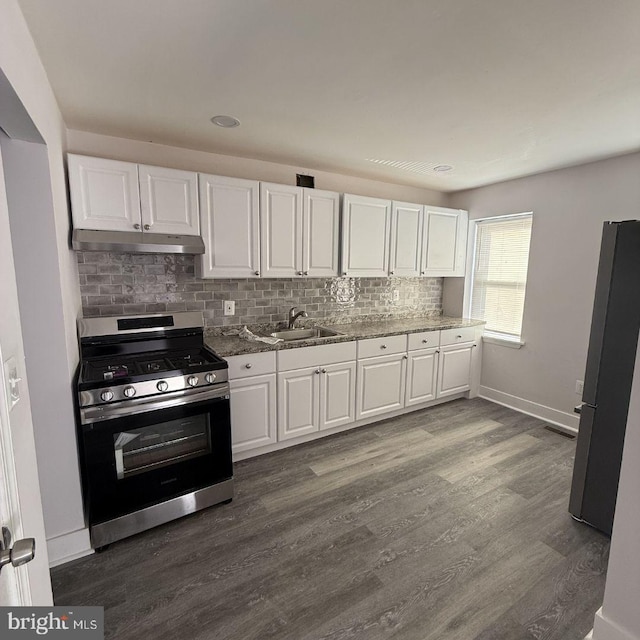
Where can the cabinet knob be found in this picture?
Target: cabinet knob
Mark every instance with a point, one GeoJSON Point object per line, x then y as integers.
{"type": "Point", "coordinates": [437, 350]}
{"type": "Point", "coordinates": [300, 273]}
{"type": "Point", "coordinates": [317, 372]}
{"type": "Point", "coordinates": [405, 357]}
{"type": "Point", "coordinates": [147, 227]}
{"type": "Point", "coordinates": [248, 365]}
{"type": "Point", "coordinates": [458, 337]}
{"type": "Point", "coordinates": [344, 273]}
{"type": "Point", "coordinates": [422, 273]}
{"type": "Point", "coordinates": [257, 273]}
{"type": "Point", "coordinates": [391, 272]}
{"type": "Point", "coordinates": [306, 273]}
{"type": "Point", "coordinates": [324, 371]}
{"type": "Point", "coordinates": [383, 346]}
{"type": "Point", "coordinates": [136, 226]}
{"type": "Point", "coordinates": [425, 341]}
{"type": "Point", "coordinates": [474, 345]}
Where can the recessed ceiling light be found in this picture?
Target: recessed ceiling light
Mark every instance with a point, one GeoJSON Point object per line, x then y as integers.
{"type": "Point", "coordinates": [228, 122]}
{"type": "Point", "coordinates": [441, 168]}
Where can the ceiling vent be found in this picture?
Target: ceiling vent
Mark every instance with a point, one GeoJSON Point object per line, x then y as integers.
{"type": "Point", "coordinates": [424, 168]}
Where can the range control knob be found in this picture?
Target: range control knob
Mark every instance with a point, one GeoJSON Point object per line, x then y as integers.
{"type": "Point", "coordinates": [163, 385]}
{"type": "Point", "coordinates": [210, 378]}
{"type": "Point", "coordinates": [129, 392]}
{"type": "Point", "coordinates": [107, 395]}
{"type": "Point", "coordinates": [192, 381]}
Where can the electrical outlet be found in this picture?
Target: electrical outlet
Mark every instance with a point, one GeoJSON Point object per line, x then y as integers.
{"type": "Point", "coordinates": [579, 387]}
{"type": "Point", "coordinates": [396, 295]}
{"type": "Point", "coordinates": [229, 307]}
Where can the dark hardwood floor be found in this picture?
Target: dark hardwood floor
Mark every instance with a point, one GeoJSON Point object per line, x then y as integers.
{"type": "Point", "coordinates": [449, 523]}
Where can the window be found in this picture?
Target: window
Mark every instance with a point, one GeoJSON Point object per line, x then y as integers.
{"type": "Point", "coordinates": [499, 277]}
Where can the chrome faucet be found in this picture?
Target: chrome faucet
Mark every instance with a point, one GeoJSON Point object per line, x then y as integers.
{"type": "Point", "coordinates": [294, 315]}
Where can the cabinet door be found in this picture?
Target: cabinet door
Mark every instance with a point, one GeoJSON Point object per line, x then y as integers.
{"type": "Point", "coordinates": [104, 194]}
{"type": "Point", "coordinates": [230, 216]}
{"type": "Point", "coordinates": [454, 369]}
{"type": "Point", "coordinates": [380, 385]}
{"type": "Point", "coordinates": [253, 412]}
{"type": "Point", "coordinates": [337, 395]}
{"type": "Point", "coordinates": [281, 230]}
{"type": "Point", "coordinates": [422, 374]}
{"type": "Point", "coordinates": [321, 228]}
{"type": "Point", "coordinates": [406, 239]}
{"type": "Point", "coordinates": [169, 201]}
{"type": "Point", "coordinates": [366, 228]}
{"type": "Point", "coordinates": [445, 242]}
{"type": "Point", "coordinates": [298, 402]}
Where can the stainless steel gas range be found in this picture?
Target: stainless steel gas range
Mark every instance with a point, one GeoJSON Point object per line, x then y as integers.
{"type": "Point", "coordinates": [155, 431]}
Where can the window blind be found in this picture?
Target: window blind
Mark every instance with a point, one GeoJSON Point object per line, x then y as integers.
{"type": "Point", "coordinates": [500, 264]}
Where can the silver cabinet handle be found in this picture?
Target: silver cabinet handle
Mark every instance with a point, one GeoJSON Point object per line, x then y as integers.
{"type": "Point", "coordinates": [248, 365]}
{"type": "Point", "coordinates": [344, 273]}
{"type": "Point", "coordinates": [147, 227]}
{"type": "Point", "coordinates": [437, 350]}
{"type": "Point", "coordinates": [383, 346]}
{"type": "Point", "coordinates": [317, 372]}
{"type": "Point", "coordinates": [422, 273]}
{"type": "Point", "coordinates": [306, 273]}
{"type": "Point", "coordinates": [391, 272]}
{"type": "Point", "coordinates": [257, 273]}
{"type": "Point", "coordinates": [136, 226]}
{"type": "Point", "coordinates": [300, 273]}
{"type": "Point", "coordinates": [474, 345]}
{"type": "Point", "coordinates": [324, 371]}
{"type": "Point", "coordinates": [458, 337]}
{"type": "Point", "coordinates": [425, 341]}
{"type": "Point", "coordinates": [405, 357]}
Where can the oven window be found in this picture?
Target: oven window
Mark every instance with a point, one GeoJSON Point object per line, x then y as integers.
{"type": "Point", "coordinates": [140, 450]}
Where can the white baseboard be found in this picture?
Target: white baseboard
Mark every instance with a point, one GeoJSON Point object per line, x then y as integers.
{"type": "Point", "coordinates": [605, 629]}
{"type": "Point", "coordinates": [560, 419]}
{"type": "Point", "coordinates": [68, 547]}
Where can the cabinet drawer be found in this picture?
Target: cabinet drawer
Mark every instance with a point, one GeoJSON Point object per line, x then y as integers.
{"type": "Point", "coordinates": [454, 336]}
{"type": "Point", "coordinates": [424, 340]}
{"type": "Point", "coordinates": [289, 359]}
{"type": "Point", "coordinates": [251, 364]}
{"type": "Point", "coordinates": [382, 346]}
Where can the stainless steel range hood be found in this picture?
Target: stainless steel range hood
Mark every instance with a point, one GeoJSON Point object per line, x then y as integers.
{"type": "Point", "coordinates": [135, 242]}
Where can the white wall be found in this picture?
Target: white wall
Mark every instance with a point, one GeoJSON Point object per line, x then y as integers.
{"type": "Point", "coordinates": [93, 144]}
{"type": "Point", "coordinates": [569, 207]}
{"type": "Point", "coordinates": [619, 618]}
{"type": "Point", "coordinates": [20, 63]}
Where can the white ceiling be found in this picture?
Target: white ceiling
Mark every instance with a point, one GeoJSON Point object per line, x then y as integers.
{"type": "Point", "coordinates": [496, 88]}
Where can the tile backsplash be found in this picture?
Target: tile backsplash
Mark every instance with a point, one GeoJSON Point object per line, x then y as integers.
{"type": "Point", "coordinates": [125, 283]}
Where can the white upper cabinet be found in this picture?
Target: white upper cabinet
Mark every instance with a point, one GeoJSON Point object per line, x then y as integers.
{"type": "Point", "coordinates": [445, 242]}
{"type": "Point", "coordinates": [321, 232]}
{"type": "Point", "coordinates": [104, 194]}
{"type": "Point", "coordinates": [366, 229]}
{"type": "Point", "coordinates": [406, 239]}
{"type": "Point", "coordinates": [108, 195]}
{"type": "Point", "coordinates": [230, 216]}
{"type": "Point", "coordinates": [281, 230]}
{"type": "Point", "coordinates": [169, 201]}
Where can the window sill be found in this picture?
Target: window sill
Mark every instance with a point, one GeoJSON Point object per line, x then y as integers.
{"type": "Point", "coordinates": [503, 341]}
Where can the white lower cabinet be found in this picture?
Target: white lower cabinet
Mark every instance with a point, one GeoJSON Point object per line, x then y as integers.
{"type": "Point", "coordinates": [337, 395]}
{"type": "Point", "coordinates": [298, 402]}
{"type": "Point", "coordinates": [380, 385]}
{"type": "Point", "coordinates": [422, 376]}
{"type": "Point", "coordinates": [253, 412]}
{"type": "Point", "coordinates": [454, 369]}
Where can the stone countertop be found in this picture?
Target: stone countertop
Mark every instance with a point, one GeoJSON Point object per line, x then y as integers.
{"type": "Point", "coordinates": [226, 346]}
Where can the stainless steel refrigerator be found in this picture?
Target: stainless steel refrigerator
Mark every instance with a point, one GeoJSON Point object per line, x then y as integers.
{"type": "Point", "coordinates": [607, 382]}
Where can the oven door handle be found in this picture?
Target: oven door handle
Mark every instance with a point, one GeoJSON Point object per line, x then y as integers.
{"type": "Point", "coordinates": [89, 415]}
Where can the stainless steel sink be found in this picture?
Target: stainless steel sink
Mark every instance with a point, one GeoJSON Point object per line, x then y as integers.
{"type": "Point", "coordinates": [304, 334]}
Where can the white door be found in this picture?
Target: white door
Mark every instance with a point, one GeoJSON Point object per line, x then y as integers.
{"type": "Point", "coordinates": [321, 230]}
{"type": "Point", "coordinates": [20, 505]}
{"type": "Point", "coordinates": [445, 242]}
{"type": "Point", "coordinates": [230, 217]}
{"type": "Point", "coordinates": [169, 201]}
{"type": "Point", "coordinates": [298, 402]}
{"type": "Point", "coordinates": [253, 412]}
{"type": "Point", "coordinates": [280, 230]}
{"type": "Point", "coordinates": [406, 239]}
{"type": "Point", "coordinates": [454, 369]}
{"type": "Point", "coordinates": [380, 385]}
{"type": "Point", "coordinates": [366, 228]}
{"type": "Point", "coordinates": [104, 194]}
{"type": "Point", "coordinates": [337, 395]}
{"type": "Point", "coordinates": [422, 374]}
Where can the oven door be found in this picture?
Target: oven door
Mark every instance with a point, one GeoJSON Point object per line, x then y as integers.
{"type": "Point", "coordinates": [134, 461]}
